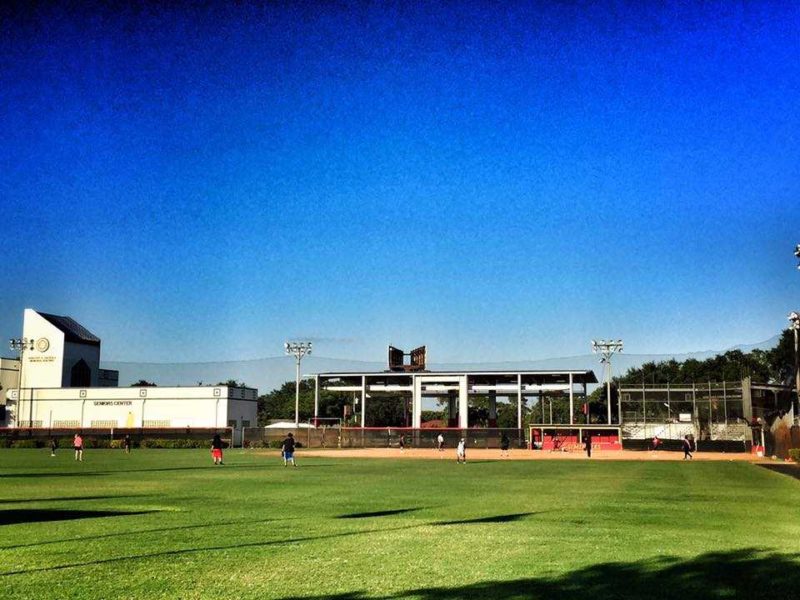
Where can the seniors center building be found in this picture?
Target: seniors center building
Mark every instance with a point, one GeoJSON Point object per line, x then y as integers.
{"type": "Point", "coordinates": [58, 383]}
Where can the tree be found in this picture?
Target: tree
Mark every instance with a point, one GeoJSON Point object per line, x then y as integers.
{"type": "Point", "coordinates": [232, 383]}
{"type": "Point", "coordinates": [279, 403]}
{"type": "Point", "coordinates": [769, 366]}
{"type": "Point", "coordinates": [144, 383]}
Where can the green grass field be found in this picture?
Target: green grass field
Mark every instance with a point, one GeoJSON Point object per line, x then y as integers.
{"type": "Point", "coordinates": [167, 524]}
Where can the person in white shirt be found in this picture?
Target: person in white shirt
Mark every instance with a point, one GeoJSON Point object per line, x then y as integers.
{"type": "Point", "coordinates": [461, 452]}
{"type": "Point", "coordinates": [440, 442]}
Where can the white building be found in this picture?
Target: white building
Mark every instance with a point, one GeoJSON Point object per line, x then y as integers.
{"type": "Point", "coordinates": [63, 386]}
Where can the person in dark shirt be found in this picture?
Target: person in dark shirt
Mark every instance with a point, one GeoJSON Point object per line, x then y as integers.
{"type": "Point", "coordinates": [53, 446]}
{"type": "Point", "coordinates": [287, 449]}
{"type": "Point", "coordinates": [587, 440]}
{"type": "Point", "coordinates": [216, 449]}
{"type": "Point", "coordinates": [687, 448]}
{"type": "Point", "coordinates": [126, 444]}
{"type": "Point", "coordinates": [504, 444]}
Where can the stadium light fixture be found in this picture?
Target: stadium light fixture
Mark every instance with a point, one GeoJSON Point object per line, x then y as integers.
{"type": "Point", "coordinates": [21, 345]}
{"type": "Point", "coordinates": [797, 254]}
{"type": "Point", "coordinates": [298, 350]}
{"type": "Point", "coordinates": [606, 349]}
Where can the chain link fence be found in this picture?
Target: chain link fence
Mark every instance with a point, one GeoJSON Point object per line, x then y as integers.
{"type": "Point", "coordinates": [381, 437]}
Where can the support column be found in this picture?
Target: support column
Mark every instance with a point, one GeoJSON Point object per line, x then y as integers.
{"type": "Point", "coordinates": [492, 408]}
{"type": "Point", "coordinates": [452, 410]}
{"type": "Point", "coordinates": [463, 403]}
{"type": "Point", "coordinates": [571, 402]}
{"type": "Point", "coordinates": [363, 401]}
{"type": "Point", "coordinates": [316, 399]}
{"type": "Point", "coordinates": [519, 400]}
{"type": "Point", "coordinates": [416, 402]}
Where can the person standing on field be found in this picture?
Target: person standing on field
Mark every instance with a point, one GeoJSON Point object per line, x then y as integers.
{"type": "Point", "coordinates": [587, 440]}
{"type": "Point", "coordinates": [687, 448]}
{"type": "Point", "coordinates": [504, 444]}
{"type": "Point", "coordinates": [461, 452]}
{"type": "Point", "coordinates": [53, 446]}
{"type": "Point", "coordinates": [440, 442]}
{"type": "Point", "coordinates": [216, 449]}
{"type": "Point", "coordinates": [77, 444]}
{"type": "Point", "coordinates": [126, 444]}
{"type": "Point", "coordinates": [287, 449]}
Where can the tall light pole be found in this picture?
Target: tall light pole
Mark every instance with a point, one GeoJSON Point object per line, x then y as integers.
{"type": "Point", "coordinates": [298, 350]}
{"type": "Point", "coordinates": [21, 345]}
{"type": "Point", "coordinates": [794, 325]}
{"type": "Point", "coordinates": [797, 254]}
{"type": "Point", "coordinates": [606, 349]}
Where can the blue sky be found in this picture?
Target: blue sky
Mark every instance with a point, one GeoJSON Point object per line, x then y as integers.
{"type": "Point", "coordinates": [499, 182]}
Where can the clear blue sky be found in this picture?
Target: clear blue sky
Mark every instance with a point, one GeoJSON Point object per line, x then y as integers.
{"type": "Point", "coordinates": [504, 182]}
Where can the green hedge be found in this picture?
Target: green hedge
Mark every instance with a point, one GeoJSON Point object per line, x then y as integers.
{"type": "Point", "coordinates": [92, 443]}
{"type": "Point", "coordinates": [794, 454]}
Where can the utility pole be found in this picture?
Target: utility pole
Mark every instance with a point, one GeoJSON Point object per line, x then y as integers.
{"type": "Point", "coordinates": [21, 345]}
{"type": "Point", "coordinates": [606, 349]}
{"type": "Point", "coordinates": [298, 350]}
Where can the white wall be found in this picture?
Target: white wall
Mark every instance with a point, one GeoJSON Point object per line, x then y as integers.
{"type": "Point", "coordinates": [135, 407]}
{"type": "Point", "coordinates": [42, 366]}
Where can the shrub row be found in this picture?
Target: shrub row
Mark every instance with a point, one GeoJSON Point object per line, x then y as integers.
{"type": "Point", "coordinates": [275, 444]}
{"type": "Point", "coordinates": [66, 444]}
{"type": "Point", "coordinates": [794, 454]}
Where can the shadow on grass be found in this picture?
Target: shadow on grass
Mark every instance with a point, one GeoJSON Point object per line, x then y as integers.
{"type": "Point", "coordinates": [744, 574]}
{"type": "Point", "coordinates": [154, 470]}
{"type": "Point", "coordinates": [118, 534]}
{"type": "Point", "coordinates": [184, 551]}
{"type": "Point", "coordinates": [494, 519]}
{"type": "Point", "coordinates": [69, 498]}
{"type": "Point", "coordinates": [784, 469]}
{"type": "Point", "coordinates": [39, 515]}
{"type": "Point", "coordinates": [377, 513]}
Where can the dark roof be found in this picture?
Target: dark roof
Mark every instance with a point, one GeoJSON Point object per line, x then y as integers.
{"type": "Point", "coordinates": [73, 331]}
{"type": "Point", "coordinates": [554, 376]}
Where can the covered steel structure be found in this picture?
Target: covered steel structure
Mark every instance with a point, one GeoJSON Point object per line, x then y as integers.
{"type": "Point", "coordinates": [457, 387]}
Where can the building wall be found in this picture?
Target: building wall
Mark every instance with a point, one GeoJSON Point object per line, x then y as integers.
{"type": "Point", "coordinates": [108, 378]}
{"type": "Point", "coordinates": [9, 377]}
{"type": "Point", "coordinates": [42, 366]}
{"type": "Point", "coordinates": [135, 407]}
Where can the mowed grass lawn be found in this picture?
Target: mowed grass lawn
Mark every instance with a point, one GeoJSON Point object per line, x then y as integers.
{"type": "Point", "coordinates": [168, 524]}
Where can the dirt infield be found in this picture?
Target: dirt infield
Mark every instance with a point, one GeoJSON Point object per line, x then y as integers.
{"type": "Point", "coordinates": [493, 454]}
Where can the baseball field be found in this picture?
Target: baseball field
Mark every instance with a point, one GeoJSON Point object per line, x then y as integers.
{"type": "Point", "coordinates": [169, 524]}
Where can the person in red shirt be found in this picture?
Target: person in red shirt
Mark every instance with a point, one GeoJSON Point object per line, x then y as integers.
{"type": "Point", "coordinates": [77, 443]}
{"type": "Point", "coordinates": [656, 443]}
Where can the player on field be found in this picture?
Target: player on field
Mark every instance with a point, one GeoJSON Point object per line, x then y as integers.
{"type": "Point", "coordinates": [687, 448]}
{"type": "Point", "coordinates": [287, 449]}
{"type": "Point", "coordinates": [77, 444]}
{"type": "Point", "coordinates": [461, 452]}
{"type": "Point", "coordinates": [126, 444]}
{"type": "Point", "coordinates": [53, 446]}
{"type": "Point", "coordinates": [216, 449]}
{"type": "Point", "coordinates": [440, 442]}
{"type": "Point", "coordinates": [504, 444]}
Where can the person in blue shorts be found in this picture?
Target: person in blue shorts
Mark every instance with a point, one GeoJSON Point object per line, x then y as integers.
{"type": "Point", "coordinates": [287, 449]}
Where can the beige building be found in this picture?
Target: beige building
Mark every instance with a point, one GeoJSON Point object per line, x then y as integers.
{"type": "Point", "coordinates": [63, 386]}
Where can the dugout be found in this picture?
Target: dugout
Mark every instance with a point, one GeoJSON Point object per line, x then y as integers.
{"type": "Point", "coordinates": [568, 438]}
